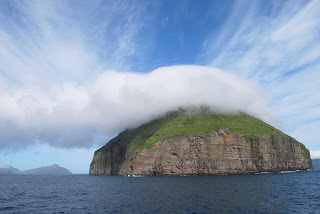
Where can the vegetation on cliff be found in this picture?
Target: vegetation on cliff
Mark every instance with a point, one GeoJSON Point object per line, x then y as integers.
{"type": "Point", "coordinates": [199, 141]}
{"type": "Point", "coordinates": [183, 123]}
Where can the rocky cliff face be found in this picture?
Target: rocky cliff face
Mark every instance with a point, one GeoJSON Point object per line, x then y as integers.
{"type": "Point", "coordinates": [216, 152]}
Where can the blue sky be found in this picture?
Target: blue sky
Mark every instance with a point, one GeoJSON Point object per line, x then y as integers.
{"type": "Point", "coordinates": [73, 74]}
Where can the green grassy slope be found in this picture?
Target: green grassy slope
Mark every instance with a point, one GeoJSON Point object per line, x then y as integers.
{"type": "Point", "coordinates": [179, 123]}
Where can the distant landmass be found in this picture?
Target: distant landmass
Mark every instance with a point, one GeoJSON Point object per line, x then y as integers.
{"type": "Point", "coordinates": [9, 171]}
{"type": "Point", "coordinates": [46, 170]}
{"type": "Point", "coordinates": [202, 143]}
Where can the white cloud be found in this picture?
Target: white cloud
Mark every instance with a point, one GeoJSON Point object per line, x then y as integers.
{"type": "Point", "coordinates": [315, 154]}
{"type": "Point", "coordinates": [71, 115]}
{"type": "Point", "coordinates": [266, 48]}
{"type": "Point", "coordinates": [4, 166]}
{"type": "Point", "coordinates": [53, 42]}
{"type": "Point", "coordinates": [279, 51]}
{"type": "Point", "coordinates": [164, 22]}
{"type": "Point", "coordinates": [50, 53]}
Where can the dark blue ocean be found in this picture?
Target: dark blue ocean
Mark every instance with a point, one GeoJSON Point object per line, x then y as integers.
{"type": "Point", "coordinates": [297, 192]}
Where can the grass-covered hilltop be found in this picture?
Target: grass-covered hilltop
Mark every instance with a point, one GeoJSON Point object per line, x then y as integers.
{"type": "Point", "coordinates": [200, 142]}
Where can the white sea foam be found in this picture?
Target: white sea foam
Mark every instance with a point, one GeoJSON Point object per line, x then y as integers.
{"type": "Point", "coordinates": [137, 176]}
{"type": "Point", "coordinates": [260, 173]}
{"type": "Point", "coordinates": [287, 171]}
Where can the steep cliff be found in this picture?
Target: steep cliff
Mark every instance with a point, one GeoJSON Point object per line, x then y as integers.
{"type": "Point", "coordinates": [202, 143]}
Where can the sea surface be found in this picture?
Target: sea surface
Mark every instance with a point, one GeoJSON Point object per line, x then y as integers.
{"type": "Point", "coordinates": [297, 192]}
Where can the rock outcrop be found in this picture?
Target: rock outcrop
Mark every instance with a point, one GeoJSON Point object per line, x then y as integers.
{"type": "Point", "coordinates": [216, 152]}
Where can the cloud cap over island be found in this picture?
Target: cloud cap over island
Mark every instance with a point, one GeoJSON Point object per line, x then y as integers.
{"type": "Point", "coordinates": [74, 115]}
{"type": "Point", "coordinates": [53, 52]}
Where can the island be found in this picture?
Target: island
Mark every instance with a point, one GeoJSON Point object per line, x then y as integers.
{"type": "Point", "coordinates": [202, 143]}
{"type": "Point", "coordinates": [54, 169]}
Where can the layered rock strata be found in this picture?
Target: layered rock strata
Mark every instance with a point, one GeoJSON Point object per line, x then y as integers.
{"type": "Point", "coordinates": [217, 152]}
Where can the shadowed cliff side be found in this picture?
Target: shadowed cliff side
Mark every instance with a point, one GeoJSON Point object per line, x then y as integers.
{"type": "Point", "coordinates": [201, 143]}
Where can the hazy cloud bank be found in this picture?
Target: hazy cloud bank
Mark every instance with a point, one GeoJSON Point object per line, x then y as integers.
{"type": "Point", "coordinates": [73, 115]}
{"type": "Point", "coordinates": [315, 154]}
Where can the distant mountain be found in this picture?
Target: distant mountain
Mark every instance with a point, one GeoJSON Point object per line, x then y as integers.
{"type": "Point", "coordinates": [9, 171]}
{"type": "Point", "coordinates": [46, 170]}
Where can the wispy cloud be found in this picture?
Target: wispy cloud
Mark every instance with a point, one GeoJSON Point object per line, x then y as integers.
{"type": "Point", "coordinates": [164, 22]}
{"type": "Point", "coordinates": [277, 45]}
{"type": "Point", "coordinates": [266, 47]}
{"type": "Point", "coordinates": [48, 41]}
